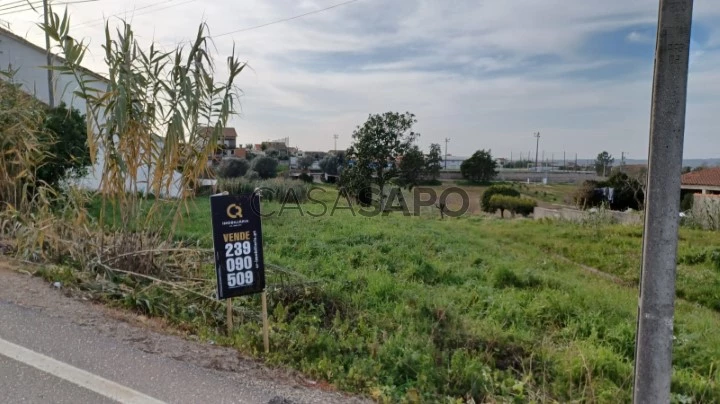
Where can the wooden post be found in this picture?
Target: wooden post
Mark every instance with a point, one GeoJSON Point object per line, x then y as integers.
{"type": "Point", "coordinates": [266, 326]}
{"type": "Point", "coordinates": [229, 316]}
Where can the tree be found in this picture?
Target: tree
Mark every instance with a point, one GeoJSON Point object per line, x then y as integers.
{"type": "Point", "coordinates": [433, 161]}
{"type": "Point", "coordinates": [503, 190]}
{"type": "Point", "coordinates": [265, 166]}
{"type": "Point", "coordinates": [330, 164]}
{"type": "Point", "coordinates": [69, 152]}
{"type": "Point", "coordinates": [412, 167]}
{"type": "Point", "coordinates": [480, 167]}
{"type": "Point", "coordinates": [306, 162]}
{"type": "Point", "coordinates": [378, 143]}
{"type": "Point", "coordinates": [603, 163]}
{"type": "Point", "coordinates": [233, 167]}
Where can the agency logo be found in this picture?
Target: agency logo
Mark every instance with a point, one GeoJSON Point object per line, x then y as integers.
{"type": "Point", "coordinates": [234, 211]}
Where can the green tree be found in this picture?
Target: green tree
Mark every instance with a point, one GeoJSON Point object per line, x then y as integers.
{"type": "Point", "coordinates": [306, 161]}
{"type": "Point", "coordinates": [265, 166]}
{"type": "Point", "coordinates": [433, 161]}
{"type": "Point", "coordinates": [378, 143]}
{"type": "Point", "coordinates": [479, 168]}
{"type": "Point", "coordinates": [603, 163]}
{"type": "Point", "coordinates": [412, 167]}
{"type": "Point", "coordinates": [330, 165]}
{"type": "Point", "coordinates": [67, 145]}
{"type": "Point", "coordinates": [233, 167]}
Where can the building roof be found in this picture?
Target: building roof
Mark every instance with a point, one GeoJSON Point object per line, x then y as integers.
{"type": "Point", "coordinates": [706, 176]}
{"type": "Point", "coordinates": [228, 133]}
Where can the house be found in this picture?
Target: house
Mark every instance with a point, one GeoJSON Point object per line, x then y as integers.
{"type": "Point", "coordinates": [704, 181]}
{"type": "Point", "coordinates": [227, 143]}
{"type": "Point", "coordinates": [27, 60]}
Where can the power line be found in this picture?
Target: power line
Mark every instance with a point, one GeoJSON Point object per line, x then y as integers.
{"type": "Point", "coordinates": [93, 22]}
{"type": "Point", "coordinates": [30, 6]}
{"type": "Point", "coordinates": [18, 4]}
{"type": "Point", "coordinates": [285, 19]}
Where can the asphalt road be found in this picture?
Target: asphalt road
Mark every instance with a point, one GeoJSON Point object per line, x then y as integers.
{"type": "Point", "coordinates": [55, 349]}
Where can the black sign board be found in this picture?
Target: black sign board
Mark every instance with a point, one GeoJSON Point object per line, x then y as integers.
{"type": "Point", "coordinates": [237, 238]}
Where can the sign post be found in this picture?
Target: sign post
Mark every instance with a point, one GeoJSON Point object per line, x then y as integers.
{"type": "Point", "coordinates": [237, 241]}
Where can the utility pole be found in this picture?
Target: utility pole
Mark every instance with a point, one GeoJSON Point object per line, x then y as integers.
{"type": "Point", "coordinates": [537, 145]}
{"type": "Point", "coordinates": [576, 166]}
{"type": "Point", "coordinates": [446, 142]}
{"type": "Point", "coordinates": [564, 161]}
{"type": "Point", "coordinates": [335, 136]}
{"type": "Point", "coordinates": [653, 344]}
{"type": "Point", "coordinates": [51, 92]}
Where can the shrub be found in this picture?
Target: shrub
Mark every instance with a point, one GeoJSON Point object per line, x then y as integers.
{"type": "Point", "coordinates": [233, 167]}
{"type": "Point", "coordinates": [496, 190]}
{"type": "Point", "coordinates": [687, 202]}
{"type": "Point", "coordinates": [252, 175]}
{"type": "Point", "coordinates": [266, 167]}
{"type": "Point", "coordinates": [522, 206]}
{"type": "Point", "coordinates": [271, 190]}
{"type": "Point", "coordinates": [305, 177]}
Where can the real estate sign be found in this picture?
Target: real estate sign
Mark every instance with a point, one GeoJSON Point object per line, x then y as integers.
{"type": "Point", "coordinates": [237, 240]}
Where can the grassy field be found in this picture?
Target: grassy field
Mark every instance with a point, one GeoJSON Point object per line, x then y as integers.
{"type": "Point", "coordinates": [419, 309]}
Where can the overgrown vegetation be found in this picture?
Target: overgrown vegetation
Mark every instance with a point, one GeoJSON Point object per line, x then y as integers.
{"type": "Point", "coordinates": [496, 190]}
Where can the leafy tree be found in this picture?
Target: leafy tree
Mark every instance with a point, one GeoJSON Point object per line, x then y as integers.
{"type": "Point", "coordinates": [265, 166]}
{"type": "Point", "coordinates": [412, 167]}
{"type": "Point", "coordinates": [433, 161]}
{"type": "Point", "coordinates": [603, 163]}
{"type": "Point", "coordinates": [306, 162]}
{"type": "Point", "coordinates": [378, 143]}
{"type": "Point", "coordinates": [233, 167]}
{"type": "Point", "coordinates": [355, 183]}
{"type": "Point", "coordinates": [68, 150]}
{"type": "Point", "coordinates": [496, 190]}
{"type": "Point", "coordinates": [479, 168]}
{"type": "Point", "coordinates": [270, 152]}
{"type": "Point", "coordinates": [330, 165]}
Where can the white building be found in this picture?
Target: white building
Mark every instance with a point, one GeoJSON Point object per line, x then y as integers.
{"type": "Point", "coordinates": [452, 163]}
{"type": "Point", "coordinates": [26, 59]}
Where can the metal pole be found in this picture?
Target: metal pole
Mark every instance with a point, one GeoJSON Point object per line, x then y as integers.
{"type": "Point", "coordinates": [335, 136]}
{"type": "Point", "coordinates": [653, 345]}
{"type": "Point", "coordinates": [51, 91]}
{"type": "Point", "coordinates": [446, 142]}
{"type": "Point", "coordinates": [537, 145]}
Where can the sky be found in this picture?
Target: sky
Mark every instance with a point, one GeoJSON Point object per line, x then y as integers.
{"type": "Point", "coordinates": [486, 74]}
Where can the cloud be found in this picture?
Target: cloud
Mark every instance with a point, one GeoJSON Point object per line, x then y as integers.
{"type": "Point", "coordinates": [485, 73]}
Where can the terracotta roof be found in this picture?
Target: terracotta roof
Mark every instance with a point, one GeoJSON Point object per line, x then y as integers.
{"type": "Point", "coordinates": [228, 133]}
{"type": "Point", "coordinates": [706, 176]}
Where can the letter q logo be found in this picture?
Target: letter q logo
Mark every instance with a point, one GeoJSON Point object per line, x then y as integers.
{"type": "Point", "coordinates": [234, 211]}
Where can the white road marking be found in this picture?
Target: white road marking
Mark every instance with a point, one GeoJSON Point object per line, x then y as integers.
{"type": "Point", "coordinates": [74, 375]}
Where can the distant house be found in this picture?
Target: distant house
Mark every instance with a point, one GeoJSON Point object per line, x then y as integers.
{"type": "Point", "coordinates": [704, 181]}
{"type": "Point", "coordinates": [227, 143]}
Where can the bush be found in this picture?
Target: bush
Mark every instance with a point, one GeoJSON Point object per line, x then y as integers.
{"type": "Point", "coordinates": [233, 167]}
{"type": "Point", "coordinates": [266, 167]}
{"type": "Point", "coordinates": [522, 206]}
{"type": "Point", "coordinates": [252, 175]}
{"type": "Point", "coordinates": [305, 177]}
{"type": "Point", "coordinates": [496, 190]}
{"type": "Point", "coordinates": [271, 190]}
{"type": "Point", "coordinates": [686, 203]}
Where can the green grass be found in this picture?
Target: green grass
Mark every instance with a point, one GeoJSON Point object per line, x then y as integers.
{"type": "Point", "coordinates": [473, 306]}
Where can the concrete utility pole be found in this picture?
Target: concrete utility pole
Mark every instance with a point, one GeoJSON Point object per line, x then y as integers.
{"type": "Point", "coordinates": [653, 345]}
{"type": "Point", "coordinates": [51, 91]}
{"type": "Point", "coordinates": [335, 136]}
{"type": "Point", "coordinates": [537, 145]}
{"type": "Point", "coordinates": [446, 142]}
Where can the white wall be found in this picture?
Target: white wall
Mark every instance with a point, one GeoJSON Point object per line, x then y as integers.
{"type": "Point", "coordinates": [28, 60]}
